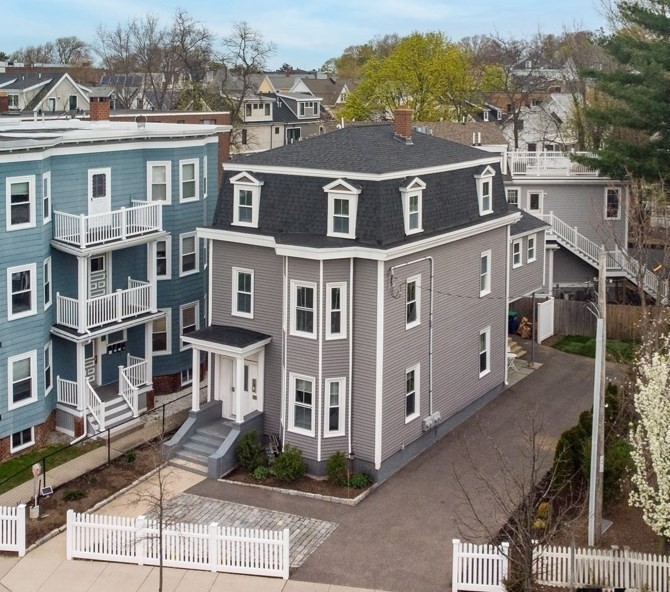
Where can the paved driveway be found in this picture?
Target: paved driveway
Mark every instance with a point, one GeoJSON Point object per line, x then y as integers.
{"type": "Point", "coordinates": [399, 538]}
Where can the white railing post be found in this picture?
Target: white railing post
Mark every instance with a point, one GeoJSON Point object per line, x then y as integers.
{"type": "Point", "coordinates": [455, 564]}
{"type": "Point", "coordinates": [287, 561]}
{"type": "Point", "coordinates": [574, 242]}
{"type": "Point", "coordinates": [119, 305]}
{"type": "Point", "coordinates": [141, 539]}
{"type": "Point", "coordinates": [504, 564]}
{"type": "Point", "coordinates": [70, 534]}
{"type": "Point", "coordinates": [82, 231]}
{"type": "Point", "coordinates": [21, 529]}
{"type": "Point", "coordinates": [124, 226]}
{"type": "Point", "coordinates": [213, 535]}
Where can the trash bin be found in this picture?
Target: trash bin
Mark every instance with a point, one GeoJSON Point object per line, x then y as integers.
{"type": "Point", "coordinates": [512, 321]}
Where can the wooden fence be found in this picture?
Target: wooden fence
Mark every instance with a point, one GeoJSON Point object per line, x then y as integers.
{"type": "Point", "coordinates": [191, 546]}
{"type": "Point", "coordinates": [573, 317]}
{"type": "Point", "coordinates": [13, 529]}
{"type": "Point", "coordinates": [482, 568]}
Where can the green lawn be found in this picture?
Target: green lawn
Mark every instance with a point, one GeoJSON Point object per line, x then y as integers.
{"type": "Point", "coordinates": [618, 351]}
{"type": "Point", "coordinates": [24, 462]}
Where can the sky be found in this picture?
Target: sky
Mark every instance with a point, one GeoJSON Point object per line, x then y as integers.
{"type": "Point", "coordinates": [307, 33]}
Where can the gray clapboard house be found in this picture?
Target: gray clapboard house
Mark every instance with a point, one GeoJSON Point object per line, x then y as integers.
{"type": "Point", "coordinates": [359, 286]}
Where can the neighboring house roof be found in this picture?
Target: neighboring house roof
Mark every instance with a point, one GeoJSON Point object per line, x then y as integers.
{"type": "Point", "coordinates": [116, 80]}
{"type": "Point", "coordinates": [25, 81]}
{"type": "Point", "coordinates": [463, 132]}
{"type": "Point", "coordinates": [527, 223]}
{"type": "Point", "coordinates": [329, 89]}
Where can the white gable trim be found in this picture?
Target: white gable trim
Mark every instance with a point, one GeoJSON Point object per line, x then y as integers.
{"type": "Point", "coordinates": [246, 178]}
{"type": "Point", "coordinates": [414, 185]}
{"type": "Point", "coordinates": [341, 186]}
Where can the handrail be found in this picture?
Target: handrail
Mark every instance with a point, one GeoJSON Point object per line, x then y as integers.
{"type": "Point", "coordinates": [95, 406]}
{"type": "Point", "coordinates": [128, 392]}
{"type": "Point", "coordinates": [130, 378]}
{"type": "Point", "coordinates": [548, 163]}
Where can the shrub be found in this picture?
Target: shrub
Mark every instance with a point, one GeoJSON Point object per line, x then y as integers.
{"type": "Point", "coordinates": [250, 451]}
{"type": "Point", "coordinates": [360, 480]}
{"type": "Point", "coordinates": [569, 457]}
{"type": "Point", "coordinates": [289, 466]}
{"type": "Point", "coordinates": [130, 456]}
{"type": "Point", "coordinates": [336, 469]}
{"type": "Point", "coordinates": [618, 463]}
{"type": "Point", "coordinates": [73, 495]}
{"type": "Point", "coordinates": [261, 473]}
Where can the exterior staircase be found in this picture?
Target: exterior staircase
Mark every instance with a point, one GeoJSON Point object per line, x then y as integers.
{"type": "Point", "coordinates": [193, 454]}
{"type": "Point", "coordinates": [116, 413]}
{"type": "Point", "coordinates": [618, 263]}
{"type": "Point", "coordinates": [514, 348]}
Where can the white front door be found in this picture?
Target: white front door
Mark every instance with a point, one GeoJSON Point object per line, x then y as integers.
{"type": "Point", "coordinates": [99, 193]}
{"type": "Point", "coordinates": [225, 389]}
{"type": "Point", "coordinates": [98, 275]}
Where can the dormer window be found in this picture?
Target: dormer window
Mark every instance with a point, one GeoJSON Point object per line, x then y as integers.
{"type": "Point", "coordinates": [484, 182]}
{"type": "Point", "coordinates": [412, 205]}
{"type": "Point", "coordinates": [342, 208]}
{"type": "Point", "coordinates": [309, 108]}
{"type": "Point", "coordinates": [246, 200]}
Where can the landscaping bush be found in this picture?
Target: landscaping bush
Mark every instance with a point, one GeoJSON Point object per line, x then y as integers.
{"type": "Point", "coordinates": [360, 480]}
{"type": "Point", "coordinates": [569, 455]}
{"type": "Point", "coordinates": [250, 452]}
{"type": "Point", "coordinates": [289, 466]}
{"type": "Point", "coordinates": [337, 470]}
{"type": "Point", "coordinates": [130, 456]}
{"type": "Point", "coordinates": [618, 463]}
{"type": "Point", "coordinates": [73, 495]}
{"type": "Point", "coordinates": [261, 473]}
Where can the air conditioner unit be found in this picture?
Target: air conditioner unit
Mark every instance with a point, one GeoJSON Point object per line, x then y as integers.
{"type": "Point", "coordinates": [427, 423]}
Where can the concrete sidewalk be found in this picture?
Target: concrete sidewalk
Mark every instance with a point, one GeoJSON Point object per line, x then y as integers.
{"type": "Point", "coordinates": [47, 570]}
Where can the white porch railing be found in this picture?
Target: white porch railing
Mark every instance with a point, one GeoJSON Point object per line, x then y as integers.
{"type": "Point", "coordinates": [617, 261]}
{"type": "Point", "coordinates": [84, 231]}
{"type": "Point", "coordinates": [551, 164]}
{"type": "Point", "coordinates": [207, 547]}
{"type": "Point", "coordinates": [13, 529]}
{"type": "Point", "coordinates": [67, 392]}
{"type": "Point", "coordinates": [95, 406]}
{"type": "Point", "coordinates": [131, 377]}
{"type": "Point", "coordinates": [110, 308]}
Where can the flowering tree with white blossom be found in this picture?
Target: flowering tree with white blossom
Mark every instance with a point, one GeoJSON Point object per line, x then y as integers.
{"type": "Point", "coordinates": [650, 439]}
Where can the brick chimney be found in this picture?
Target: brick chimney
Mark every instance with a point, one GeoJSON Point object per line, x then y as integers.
{"type": "Point", "coordinates": [403, 124]}
{"type": "Point", "coordinates": [99, 109]}
{"type": "Point", "coordinates": [4, 102]}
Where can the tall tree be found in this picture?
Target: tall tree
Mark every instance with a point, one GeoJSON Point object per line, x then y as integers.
{"type": "Point", "coordinates": [72, 51]}
{"type": "Point", "coordinates": [35, 54]}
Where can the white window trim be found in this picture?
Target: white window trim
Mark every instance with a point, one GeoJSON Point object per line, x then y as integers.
{"type": "Point", "coordinates": [204, 177]}
{"type": "Point", "coordinates": [107, 171]}
{"type": "Point", "coordinates": [341, 189]}
{"type": "Point", "coordinates": [486, 175]}
{"type": "Point", "coordinates": [48, 363]}
{"type": "Point", "coordinates": [47, 276]}
{"type": "Point", "coordinates": [417, 400]}
{"type": "Point", "coordinates": [168, 262]}
{"type": "Point", "coordinates": [618, 216]}
{"type": "Point", "coordinates": [540, 195]}
{"type": "Point", "coordinates": [205, 252]}
{"type": "Point", "coordinates": [185, 346]}
{"type": "Point", "coordinates": [517, 243]}
{"type": "Point", "coordinates": [32, 268]}
{"type": "Point", "coordinates": [327, 433]}
{"type": "Point", "coordinates": [531, 239]}
{"type": "Point", "coordinates": [32, 356]}
{"type": "Point", "coordinates": [46, 181]}
{"type": "Point", "coordinates": [183, 237]}
{"type": "Point", "coordinates": [196, 178]}
{"type": "Point", "coordinates": [291, 416]}
{"type": "Point", "coordinates": [343, 310]}
{"type": "Point", "coordinates": [189, 376]}
{"type": "Point", "coordinates": [417, 279]}
{"type": "Point", "coordinates": [244, 181]}
{"type": "Point", "coordinates": [295, 284]}
{"type": "Point", "coordinates": [487, 332]}
{"type": "Point", "coordinates": [518, 195]}
{"type": "Point", "coordinates": [30, 179]}
{"type": "Point", "coordinates": [168, 330]}
{"type": "Point", "coordinates": [235, 275]}
{"type": "Point", "coordinates": [12, 450]}
{"type": "Point", "coordinates": [416, 187]}
{"type": "Point", "coordinates": [168, 180]}
{"type": "Point", "coordinates": [487, 282]}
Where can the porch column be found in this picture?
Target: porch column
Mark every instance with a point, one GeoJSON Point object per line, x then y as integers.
{"type": "Point", "coordinates": [260, 383]}
{"type": "Point", "coordinates": [210, 371]}
{"type": "Point", "coordinates": [81, 376]}
{"type": "Point", "coordinates": [152, 275]}
{"type": "Point", "coordinates": [239, 385]}
{"type": "Point", "coordinates": [149, 351]}
{"type": "Point", "coordinates": [82, 293]}
{"type": "Point", "coordinates": [195, 385]}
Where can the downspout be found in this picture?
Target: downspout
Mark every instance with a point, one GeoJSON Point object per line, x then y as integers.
{"type": "Point", "coordinates": [430, 323]}
{"type": "Point", "coordinates": [85, 434]}
{"type": "Point", "coordinates": [319, 389]}
{"type": "Point", "coordinates": [283, 352]}
{"type": "Point", "coordinates": [350, 314]}
{"type": "Point", "coordinates": [507, 274]}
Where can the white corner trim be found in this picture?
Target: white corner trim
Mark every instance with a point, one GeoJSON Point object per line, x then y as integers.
{"type": "Point", "coordinates": [379, 370]}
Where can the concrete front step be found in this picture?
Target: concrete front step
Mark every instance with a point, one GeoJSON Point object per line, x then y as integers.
{"type": "Point", "coordinates": [192, 457]}
{"type": "Point", "coordinates": [199, 448]}
{"type": "Point", "coordinates": [188, 466]}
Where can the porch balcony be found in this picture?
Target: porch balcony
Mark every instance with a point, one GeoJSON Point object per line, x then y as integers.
{"type": "Point", "coordinates": [85, 231]}
{"type": "Point", "coordinates": [83, 315]}
{"type": "Point", "coordinates": [548, 164]}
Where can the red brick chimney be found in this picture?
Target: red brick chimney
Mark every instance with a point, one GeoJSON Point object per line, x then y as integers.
{"type": "Point", "coordinates": [403, 123]}
{"type": "Point", "coordinates": [99, 109]}
{"type": "Point", "coordinates": [4, 102]}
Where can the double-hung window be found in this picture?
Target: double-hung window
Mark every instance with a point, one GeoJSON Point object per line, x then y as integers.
{"type": "Point", "coordinates": [188, 180]}
{"type": "Point", "coordinates": [243, 292]}
{"type": "Point", "coordinates": [412, 393]}
{"type": "Point", "coordinates": [159, 181]}
{"type": "Point", "coordinates": [485, 273]}
{"type": "Point", "coordinates": [21, 293]}
{"type": "Point", "coordinates": [21, 378]}
{"type": "Point", "coordinates": [531, 251]}
{"type": "Point", "coordinates": [189, 320]}
{"type": "Point", "coordinates": [46, 197]}
{"type": "Point", "coordinates": [334, 407]}
{"type": "Point", "coordinates": [413, 302]}
{"type": "Point", "coordinates": [513, 196]}
{"type": "Point", "coordinates": [46, 282]}
{"type": "Point", "coordinates": [303, 309]}
{"type": "Point", "coordinates": [612, 203]}
{"type": "Point", "coordinates": [412, 205]}
{"type": "Point", "coordinates": [164, 258]}
{"type": "Point", "coordinates": [161, 342]}
{"type": "Point", "coordinates": [484, 181]}
{"type": "Point", "coordinates": [246, 200]}
{"type": "Point", "coordinates": [484, 351]}
{"type": "Point", "coordinates": [48, 368]}
{"type": "Point", "coordinates": [301, 414]}
{"type": "Point", "coordinates": [336, 310]}
{"type": "Point", "coordinates": [188, 253]}
{"type": "Point", "coordinates": [342, 208]}
{"type": "Point", "coordinates": [204, 177]}
{"type": "Point", "coordinates": [517, 260]}
{"type": "Point", "coordinates": [535, 201]}
{"type": "Point", "coordinates": [20, 202]}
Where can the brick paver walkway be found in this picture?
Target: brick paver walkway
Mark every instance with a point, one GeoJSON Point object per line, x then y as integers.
{"type": "Point", "coordinates": [306, 534]}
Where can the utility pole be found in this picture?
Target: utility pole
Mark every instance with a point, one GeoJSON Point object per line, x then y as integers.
{"type": "Point", "coordinates": [598, 429]}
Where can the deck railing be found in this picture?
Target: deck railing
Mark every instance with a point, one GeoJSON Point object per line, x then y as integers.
{"type": "Point", "coordinates": [551, 164]}
{"type": "Point", "coordinates": [67, 392]}
{"type": "Point", "coordinates": [131, 378]}
{"type": "Point", "coordinates": [95, 406]}
{"type": "Point", "coordinates": [110, 308]}
{"type": "Point", "coordinates": [87, 230]}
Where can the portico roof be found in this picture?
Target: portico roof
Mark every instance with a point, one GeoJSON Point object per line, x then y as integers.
{"type": "Point", "coordinates": [227, 339]}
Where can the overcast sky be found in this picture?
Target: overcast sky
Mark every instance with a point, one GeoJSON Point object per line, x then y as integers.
{"type": "Point", "coordinates": [306, 33]}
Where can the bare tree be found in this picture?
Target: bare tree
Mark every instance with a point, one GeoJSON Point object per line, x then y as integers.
{"type": "Point", "coordinates": [35, 54]}
{"type": "Point", "coordinates": [192, 43]}
{"type": "Point", "coordinates": [117, 53]}
{"type": "Point", "coordinates": [72, 50]}
{"type": "Point", "coordinates": [529, 500]}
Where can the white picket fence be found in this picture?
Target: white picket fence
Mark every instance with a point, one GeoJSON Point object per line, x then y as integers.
{"type": "Point", "coordinates": [13, 529]}
{"type": "Point", "coordinates": [191, 546]}
{"type": "Point", "coordinates": [482, 568]}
